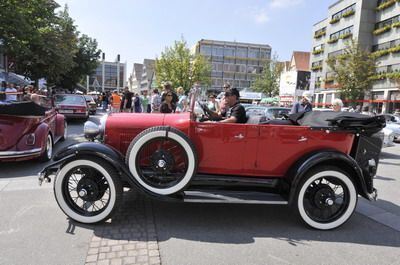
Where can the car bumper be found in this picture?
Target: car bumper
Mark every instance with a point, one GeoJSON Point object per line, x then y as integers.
{"type": "Point", "coordinates": [20, 154]}
{"type": "Point", "coordinates": [76, 115]}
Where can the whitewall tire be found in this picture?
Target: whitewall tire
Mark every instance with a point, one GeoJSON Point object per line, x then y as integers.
{"type": "Point", "coordinates": [180, 142]}
{"type": "Point", "coordinates": [73, 202]}
{"type": "Point", "coordinates": [326, 198]}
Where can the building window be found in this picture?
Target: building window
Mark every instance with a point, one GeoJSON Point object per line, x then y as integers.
{"type": "Point", "coordinates": [336, 53]}
{"type": "Point", "coordinates": [205, 50]}
{"type": "Point", "coordinates": [342, 33]}
{"type": "Point", "coordinates": [387, 22]}
{"type": "Point", "coordinates": [241, 52]}
{"type": "Point", "coordinates": [229, 51]}
{"type": "Point", "coordinates": [348, 11]}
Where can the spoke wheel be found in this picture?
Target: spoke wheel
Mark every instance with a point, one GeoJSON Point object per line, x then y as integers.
{"type": "Point", "coordinates": [162, 163]}
{"type": "Point", "coordinates": [326, 198]}
{"type": "Point", "coordinates": [88, 191]}
{"type": "Point", "coordinates": [162, 160]}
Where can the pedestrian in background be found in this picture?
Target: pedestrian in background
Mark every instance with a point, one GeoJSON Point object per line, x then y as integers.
{"type": "Point", "coordinates": [182, 103]}
{"type": "Point", "coordinates": [213, 104]}
{"type": "Point", "coordinates": [145, 99]}
{"type": "Point", "coordinates": [337, 105]}
{"type": "Point", "coordinates": [11, 93]}
{"type": "Point", "coordinates": [3, 86]}
{"type": "Point", "coordinates": [137, 104]}
{"type": "Point", "coordinates": [155, 101]}
{"type": "Point", "coordinates": [222, 102]}
{"type": "Point", "coordinates": [168, 89]}
{"type": "Point", "coordinates": [127, 100]}
{"type": "Point", "coordinates": [304, 105]}
{"type": "Point", "coordinates": [167, 105]}
{"type": "Point", "coordinates": [115, 101]}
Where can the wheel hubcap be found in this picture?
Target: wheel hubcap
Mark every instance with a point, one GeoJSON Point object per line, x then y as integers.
{"type": "Point", "coordinates": [161, 163]}
{"type": "Point", "coordinates": [82, 193]}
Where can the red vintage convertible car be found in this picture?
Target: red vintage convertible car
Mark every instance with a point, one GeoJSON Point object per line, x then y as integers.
{"type": "Point", "coordinates": [28, 130]}
{"type": "Point", "coordinates": [317, 162]}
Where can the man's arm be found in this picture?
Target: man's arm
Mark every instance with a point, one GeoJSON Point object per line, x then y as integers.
{"type": "Point", "coordinates": [231, 119]}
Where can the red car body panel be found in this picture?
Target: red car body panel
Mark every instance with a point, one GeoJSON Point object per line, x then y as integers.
{"type": "Point", "coordinates": [229, 148]}
{"type": "Point", "coordinates": [14, 131]}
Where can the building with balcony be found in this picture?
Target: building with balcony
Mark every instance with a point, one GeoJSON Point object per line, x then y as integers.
{"type": "Point", "coordinates": [236, 63]}
{"type": "Point", "coordinates": [375, 24]}
{"type": "Point", "coordinates": [148, 75]}
{"type": "Point", "coordinates": [295, 78]}
{"type": "Point", "coordinates": [108, 76]}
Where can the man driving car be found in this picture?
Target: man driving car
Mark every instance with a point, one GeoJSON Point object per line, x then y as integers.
{"type": "Point", "coordinates": [235, 112]}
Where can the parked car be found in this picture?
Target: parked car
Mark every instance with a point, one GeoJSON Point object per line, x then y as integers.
{"type": "Point", "coordinates": [270, 113]}
{"type": "Point", "coordinates": [318, 166]}
{"type": "Point", "coordinates": [393, 123]}
{"type": "Point", "coordinates": [73, 106]}
{"type": "Point", "coordinates": [29, 130]}
{"type": "Point", "coordinates": [91, 104]}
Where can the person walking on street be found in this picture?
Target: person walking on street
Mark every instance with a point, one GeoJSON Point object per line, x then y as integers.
{"type": "Point", "coordinates": [137, 104]}
{"type": "Point", "coordinates": [115, 102]}
{"type": "Point", "coordinates": [304, 105]}
{"type": "Point", "coordinates": [127, 100]}
{"type": "Point", "coordinates": [155, 101]}
{"type": "Point", "coordinates": [145, 102]}
{"type": "Point", "coordinates": [168, 89]}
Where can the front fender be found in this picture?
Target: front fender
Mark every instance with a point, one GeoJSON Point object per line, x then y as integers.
{"type": "Point", "coordinates": [92, 149]}
{"type": "Point", "coordinates": [329, 157]}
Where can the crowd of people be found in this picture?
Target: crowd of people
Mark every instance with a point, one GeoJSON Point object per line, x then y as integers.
{"type": "Point", "coordinates": [12, 92]}
{"type": "Point", "coordinates": [168, 101]}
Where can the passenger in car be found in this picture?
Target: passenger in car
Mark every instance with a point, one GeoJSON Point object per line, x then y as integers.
{"type": "Point", "coordinates": [235, 111]}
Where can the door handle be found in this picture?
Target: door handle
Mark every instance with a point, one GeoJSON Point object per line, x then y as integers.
{"type": "Point", "coordinates": [239, 136]}
{"type": "Point", "coordinates": [303, 139]}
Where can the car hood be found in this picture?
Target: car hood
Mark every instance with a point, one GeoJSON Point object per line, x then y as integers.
{"type": "Point", "coordinates": [12, 128]}
{"type": "Point", "coordinates": [394, 127]}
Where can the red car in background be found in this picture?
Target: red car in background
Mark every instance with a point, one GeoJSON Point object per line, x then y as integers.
{"type": "Point", "coordinates": [29, 130]}
{"type": "Point", "coordinates": [72, 106]}
{"type": "Point", "coordinates": [318, 162]}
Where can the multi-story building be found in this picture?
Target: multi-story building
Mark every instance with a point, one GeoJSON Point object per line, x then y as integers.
{"type": "Point", "coordinates": [375, 24]}
{"type": "Point", "coordinates": [106, 77]}
{"type": "Point", "coordinates": [234, 62]}
{"type": "Point", "coordinates": [295, 78]}
{"type": "Point", "coordinates": [148, 75]}
{"type": "Point", "coordinates": [135, 78]}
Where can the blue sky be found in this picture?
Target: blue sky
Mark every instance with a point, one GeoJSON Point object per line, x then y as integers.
{"type": "Point", "coordinates": [142, 29]}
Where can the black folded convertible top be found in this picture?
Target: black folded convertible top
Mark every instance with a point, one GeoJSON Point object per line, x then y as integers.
{"type": "Point", "coordinates": [339, 121]}
{"type": "Point", "coordinates": [22, 108]}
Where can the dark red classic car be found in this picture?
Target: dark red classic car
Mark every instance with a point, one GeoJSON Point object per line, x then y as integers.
{"type": "Point", "coordinates": [318, 162]}
{"type": "Point", "coordinates": [29, 130]}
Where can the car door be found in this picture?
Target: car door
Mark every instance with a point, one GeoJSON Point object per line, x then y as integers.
{"type": "Point", "coordinates": [279, 146]}
{"type": "Point", "coordinates": [221, 147]}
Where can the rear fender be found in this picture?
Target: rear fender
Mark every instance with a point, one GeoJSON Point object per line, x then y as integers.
{"type": "Point", "coordinates": [329, 157]}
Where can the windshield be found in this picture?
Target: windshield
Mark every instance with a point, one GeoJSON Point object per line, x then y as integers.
{"type": "Point", "coordinates": [70, 100]}
{"type": "Point", "coordinates": [88, 98]}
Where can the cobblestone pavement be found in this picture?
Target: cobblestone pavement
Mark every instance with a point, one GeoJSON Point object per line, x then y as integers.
{"type": "Point", "coordinates": [128, 238]}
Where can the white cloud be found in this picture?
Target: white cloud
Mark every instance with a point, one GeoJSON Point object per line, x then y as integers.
{"type": "Point", "coordinates": [261, 17]}
{"type": "Point", "coordinates": [284, 3]}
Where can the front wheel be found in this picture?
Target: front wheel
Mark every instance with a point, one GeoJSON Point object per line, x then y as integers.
{"type": "Point", "coordinates": [326, 198]}
{"type": "Point", "coordinates": [88, 190]}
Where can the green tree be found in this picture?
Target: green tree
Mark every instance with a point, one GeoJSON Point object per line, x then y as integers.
{"type": "Point", "coordinates": [268, 81]}
{"type": "Point", "coordinates": [43, 43]}
{"type": "Point", "coordinates": [353, 71]}
{"type": "Point", "coordinates": [183, 68]}
{"type": "Point", "coordinates": [85, 62]}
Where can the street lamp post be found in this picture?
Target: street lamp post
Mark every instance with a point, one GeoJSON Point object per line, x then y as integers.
{"type": "Point", "coordinates": [102, 72]}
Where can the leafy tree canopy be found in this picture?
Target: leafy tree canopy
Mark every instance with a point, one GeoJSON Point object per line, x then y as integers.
{"type": "Point", "coordinates": [268, 81]}
{"type": "Point", "coordinates": [183, 68]}
{"type": "Point", "coordinates": [41, 42]}
{"type": "Point", "coordinates": [353, 71]}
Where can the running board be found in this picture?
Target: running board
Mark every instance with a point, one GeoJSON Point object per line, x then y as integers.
{"type": "Point", "coordinates": [239, 197]}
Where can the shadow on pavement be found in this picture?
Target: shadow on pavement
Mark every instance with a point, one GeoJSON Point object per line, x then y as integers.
{"type": "Point", "coordinates": [231, 224]}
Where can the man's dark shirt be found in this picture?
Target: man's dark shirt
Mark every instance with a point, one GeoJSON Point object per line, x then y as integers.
{"type": "Point", "coordinates": [236, 111]}
{"type": "Point", "coordinates": [128, 97]}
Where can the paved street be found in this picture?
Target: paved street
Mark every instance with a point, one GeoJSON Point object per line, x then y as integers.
{"type": "Point", "coordinates": [33, 229]}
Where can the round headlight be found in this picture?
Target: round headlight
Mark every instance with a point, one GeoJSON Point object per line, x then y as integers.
{"type": "Point", "coordinates": [91, 130]}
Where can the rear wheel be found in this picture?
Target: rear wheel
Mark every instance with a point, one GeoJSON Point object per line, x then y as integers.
{"type": "Point", "coordinates": [65, 131]}
{"type": "Point", "coordinates": [48, 149]}
{"type": "Point", "coordinates": [88, 190]}
{"type": "Point", "coordinates": [326, 198]}
{"type": "Point", "coordinates": [162, 160]}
